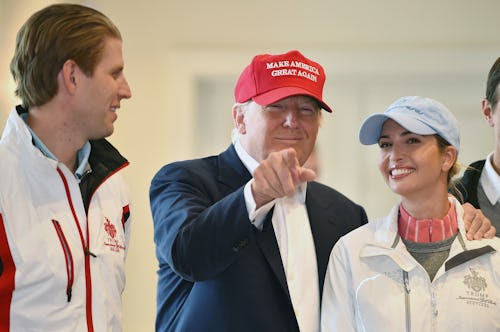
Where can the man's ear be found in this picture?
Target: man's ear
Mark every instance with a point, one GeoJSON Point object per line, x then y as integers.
{"type": "Point", "coordinates": [239, 119]}
{"type": "Point", "coordinates": [487, 111]}
{"type": "Point", "coordinates": [68, 76]}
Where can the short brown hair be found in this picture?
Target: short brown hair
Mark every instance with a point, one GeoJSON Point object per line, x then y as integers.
{"type": "Point", "coordinates": [49, 38]}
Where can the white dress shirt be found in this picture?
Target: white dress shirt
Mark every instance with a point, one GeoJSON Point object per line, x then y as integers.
{"type": "Point", "coordinates": [295, 241]}
{"type": "Point", "coordinates": [490, 181]}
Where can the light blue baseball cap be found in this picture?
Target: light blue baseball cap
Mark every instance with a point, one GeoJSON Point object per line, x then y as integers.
{"type": "Point", "coordinates": [419, 115]}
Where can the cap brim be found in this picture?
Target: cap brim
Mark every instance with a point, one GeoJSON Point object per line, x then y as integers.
{"type": "Point", "coordinates": [369, 132]}
{"type": "Point", "coordinates": [273, 96]}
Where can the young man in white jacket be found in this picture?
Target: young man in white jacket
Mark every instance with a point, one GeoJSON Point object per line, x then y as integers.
{"type": "Point", "coordinates": [64, 208]}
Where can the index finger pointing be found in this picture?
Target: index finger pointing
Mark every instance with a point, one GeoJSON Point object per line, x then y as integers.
{"type": "Point", "coordinates": [290, 158]}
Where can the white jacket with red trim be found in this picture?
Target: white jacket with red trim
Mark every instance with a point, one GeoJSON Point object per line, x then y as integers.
{"type": "Point", "coordinates": [61, 267]}
{"type": "Point", "coordinates": [374, 284]}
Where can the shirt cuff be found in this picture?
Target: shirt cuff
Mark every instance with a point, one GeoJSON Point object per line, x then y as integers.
{"type": "Point", "coordinates": [256, 216]}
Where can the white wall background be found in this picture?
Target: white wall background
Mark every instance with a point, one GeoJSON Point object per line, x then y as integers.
{"type": "Point", "coordinates": [183, 56]}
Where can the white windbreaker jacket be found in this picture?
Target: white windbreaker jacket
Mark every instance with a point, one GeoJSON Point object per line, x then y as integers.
{"type": "Point", "coordinates": [374, 284]}
{"type": "Point", "coordinates": [61, 256]}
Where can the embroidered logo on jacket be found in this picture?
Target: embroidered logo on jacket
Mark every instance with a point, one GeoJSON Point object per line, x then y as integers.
{"type": "Point", "coordinates": [110, 228]}
{"type": "Point", "coordinates": [475, 293]}
{"type": "Point", "coordinates": [112, 243]}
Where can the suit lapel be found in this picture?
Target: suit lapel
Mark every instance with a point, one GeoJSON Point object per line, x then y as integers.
{"type": "Point", "coordinates": [234, 174]}
{"type": "Point", "coordinates": [322, 228]}
{"type": "Point", "coordinates": [268, 244]}
{"type": "Point", "coordinates": [231, 171]}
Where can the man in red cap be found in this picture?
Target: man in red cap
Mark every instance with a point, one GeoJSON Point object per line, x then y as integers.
{"type": "Point", "coordinates": [243, 238]}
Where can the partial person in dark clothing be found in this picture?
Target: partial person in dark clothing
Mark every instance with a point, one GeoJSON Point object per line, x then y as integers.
{"type": "Point", "coordinates": [480, 184]}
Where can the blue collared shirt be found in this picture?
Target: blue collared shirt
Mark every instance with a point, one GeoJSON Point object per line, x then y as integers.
{"type": "Point", "coordinates": [82, 154]}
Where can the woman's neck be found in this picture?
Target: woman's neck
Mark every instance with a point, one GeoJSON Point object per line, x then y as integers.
{"type": "Point", "coordinates": [427, 206]}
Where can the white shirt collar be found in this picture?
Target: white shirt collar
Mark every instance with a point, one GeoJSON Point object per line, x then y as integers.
{"type": "Point", "coordinates": [247, 160]}
{"type": "Point", "coordinates": [490, 181]}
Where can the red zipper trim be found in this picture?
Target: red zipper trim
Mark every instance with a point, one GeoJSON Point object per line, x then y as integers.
{"type": "Point", "coordinates": [88, 282]}
{"type": "Point", "coordinates": [85, 246]}
{"type": "Point", "coordinates": [125, 215]}
{"type": "Point", "coordinates": [7, 279]}
{"type": "Point", "coordinates": [68, 257]}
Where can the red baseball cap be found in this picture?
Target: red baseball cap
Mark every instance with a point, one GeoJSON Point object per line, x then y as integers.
{"type": "Point", "coordinates": [269, 78]}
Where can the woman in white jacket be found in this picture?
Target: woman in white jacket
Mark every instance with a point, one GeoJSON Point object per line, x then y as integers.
{"type": "Point", "coordinates": [414, 270]}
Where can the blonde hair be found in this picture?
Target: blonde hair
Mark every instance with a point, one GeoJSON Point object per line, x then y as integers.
{"type": "Point", "coordinates": [454, 170]}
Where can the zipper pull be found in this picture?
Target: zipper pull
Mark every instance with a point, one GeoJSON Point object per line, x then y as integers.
{"type": "Point", "coordinates": [69, 292]}
{"type": "Point", "coordinates": [89, 253]}
{"type": "Point", "coordinates": [406, 282]}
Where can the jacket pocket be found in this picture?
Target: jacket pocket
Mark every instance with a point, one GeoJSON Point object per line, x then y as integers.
{"type": "Point", "coordinates": [68, 257]}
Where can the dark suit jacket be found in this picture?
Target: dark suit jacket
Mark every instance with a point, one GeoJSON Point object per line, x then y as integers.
{"type": "Point", "coordinates": [217, 272]}
{"type": "Point", "coordinates": [467, 184]}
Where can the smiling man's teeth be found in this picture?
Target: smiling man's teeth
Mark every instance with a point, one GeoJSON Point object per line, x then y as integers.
{"type": "Point", "coordinates": [400, 171]}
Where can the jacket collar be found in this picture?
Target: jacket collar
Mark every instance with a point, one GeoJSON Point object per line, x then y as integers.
{"type": "Point", "coordinates": [16, 132]}
{"type": "Point", "coordinates": [387, 242]}
{"type": "Point", "coordinates": [232, 172]}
